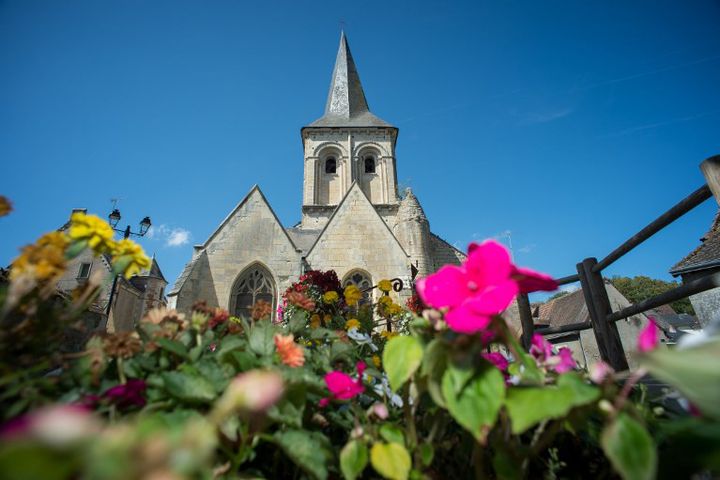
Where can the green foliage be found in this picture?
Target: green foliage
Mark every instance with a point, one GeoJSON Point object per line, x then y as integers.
{"type": "Point", "coordinates": [630, 448]}
{"type": "Point", "coordinates": [353, 459]}
{"type": "Point", "coordinates": [639, 288]}
{"type": "Point", "coordinates": [219, 399]}
{"type": "Point", "coordinates": [402, 356]}
{"type": "Point", "coordinates": [694, 371]}
{"type": "Point", "coordinates": [391, 460]}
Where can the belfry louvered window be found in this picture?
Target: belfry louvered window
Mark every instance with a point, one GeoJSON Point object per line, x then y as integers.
{"type": "Point", "coordinates": [255, 283]}
{"type": "Point", "coordinates": [330, 165]}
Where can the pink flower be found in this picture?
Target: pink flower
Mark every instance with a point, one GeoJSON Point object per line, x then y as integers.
{"type": "Point", "coordinates": [342, 386]}
{"type": "Point", "coordinates": [563, 361]}
{"type": "Point", "coordinates": [125, 395]}
{"type": "Point", "coordinates": [649, 336]}
{"type": "Point", "coordinates": [540, 348]}
{"type": "Point", "coordinates": [482, 287]}
{"type": "Point", "coordinates": [600, 371]}
{"type": "Point", "coordinates": [497, 359]}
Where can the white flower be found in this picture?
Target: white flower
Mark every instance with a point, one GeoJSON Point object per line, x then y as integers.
{"type": "Point", "coordinates": [361, 338]}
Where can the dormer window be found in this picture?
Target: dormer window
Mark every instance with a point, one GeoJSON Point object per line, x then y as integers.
{"type": "Point", "coordinates": [330, 165]}
{"type": "Point", "coordinates": [369, 164]}
{"type": "Point", "coordinates": [84, 271]}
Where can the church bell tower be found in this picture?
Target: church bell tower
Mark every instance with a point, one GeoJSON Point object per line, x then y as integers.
{"type": "Point", "coordinates": [347, 144]}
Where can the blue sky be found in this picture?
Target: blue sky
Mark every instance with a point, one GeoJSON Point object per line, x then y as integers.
{"type": "Point", "coordinates": [569, 124]}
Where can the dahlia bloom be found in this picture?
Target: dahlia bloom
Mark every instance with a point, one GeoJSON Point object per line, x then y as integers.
{"type": "Point", "coordinates": [291, 354]}
{"type": "Point", "coordinates": [125, 395]}
{"type": "Point", "coordinates": [482, 287]}
{"type": "Point", "coordinates": [342, 386]}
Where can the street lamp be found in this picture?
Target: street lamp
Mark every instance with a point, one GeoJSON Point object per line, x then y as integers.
{"type": "Point", "coordinates": [115, 217]}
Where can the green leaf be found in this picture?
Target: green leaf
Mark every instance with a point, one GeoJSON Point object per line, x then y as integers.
{"type": "Point", "coordinates": [392, 434]}
{"type": "Point", "coordinates": [188, 387]}
{"type": "Point", "coordinates": [694, 371]}
{"type": "Point", "coordinates": [390, 460]}
{"type": "Point", "coordinates": [474, 402]}
{"type": "Point", "coordinates": [353, 459]}
{"type": "Point", "coordinates": [528, 406]}
{"type": "Point", "coordinates": [306, 449]}
{"type": "Point", "coordinates": [261, 338]}
{"type": "Point", "coordinates": [229, 344]}
{"type": "Point", "coordinates": [630, 449]}
{"type": "Point", "coordinates": [427, 453]}
{"type": "Point", "coordinates": [402, 356]}
{"type": "Point", "coordinates": [173, 346]}
{"type": "Point", "coordinates": [298, 321]}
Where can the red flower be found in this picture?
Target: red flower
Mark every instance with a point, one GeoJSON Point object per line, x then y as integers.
{"type": "Point", "coordinates": [125, 395]}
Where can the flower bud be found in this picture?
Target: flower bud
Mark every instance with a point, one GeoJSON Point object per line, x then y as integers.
{"type": "Point", "coordinates": [251, 392]}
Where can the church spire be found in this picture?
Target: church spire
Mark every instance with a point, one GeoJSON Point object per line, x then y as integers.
{"type": "Point", "coordinates": [346, 104]}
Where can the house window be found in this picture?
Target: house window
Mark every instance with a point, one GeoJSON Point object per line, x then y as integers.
{"type": "Point", "coordinates": [361, 280]}
{"type": "Point", "coordinates": [255, 283]}
{"type": "Point", "coordinates": [330, 165]}
{"type": "Point", "coordinates": [84, 272]}
{"type": "Point", "coordinates": [369, 164]}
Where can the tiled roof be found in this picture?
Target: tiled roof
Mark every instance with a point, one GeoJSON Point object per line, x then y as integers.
{"type": "Point", "coordinates": [564, 310]}
{"type": "Point", "coordinates": [706, 255]}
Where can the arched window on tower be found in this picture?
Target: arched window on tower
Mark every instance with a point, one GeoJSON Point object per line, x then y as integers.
{"type": "Point", "coordinates": [254, 283]}
{"type": "Point", "coordinates": [362, 280]}
{"type": "Point", "coordinates": [370, 164]}
{"type": "Point", "coordinates": [330, 165]}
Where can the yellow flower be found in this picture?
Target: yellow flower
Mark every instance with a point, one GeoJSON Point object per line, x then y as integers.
{"type": "Point", "coordinates": [330, 297]}
{"type": "Point", "coordinates": [352, 295]}
{"type": "Point", "coordinates": [352, 323]}
{"type": "Point", "coordinates": [388, 335]}
{"type": "Point", "coordinates": [385, 285]}
{"type": "Point", "coordinates": [44, 260]}
{"type": "Point", "coordinates": [129, 258]}
{"type": "Point", "coordinates": [327, 318]}
{"type": "Point", "coordinates": [376, 361]}
{"type": "Point", "coordinates": [394, 309]}
{"type": "Point", "coordinates": [5, 206]}
{"type": "Point", "coordinates": [385, 301]}
{"type": "Point", "coordinates": [94, 230]}
{"type": "Point", "coordinates": [315, 321]}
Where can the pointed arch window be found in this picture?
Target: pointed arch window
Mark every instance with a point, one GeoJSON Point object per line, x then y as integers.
{"type": "Point", "coordinates": [330, 165]}
{"type": "Point", "coordinates": [254, 283]}
{"type": "Point", "coordinates": [362, 280]}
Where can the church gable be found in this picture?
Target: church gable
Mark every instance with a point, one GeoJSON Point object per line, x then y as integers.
{"type": "Point", "coordinates": [250, 235]}
{"type": "Point", "coordinates": [356, 237]}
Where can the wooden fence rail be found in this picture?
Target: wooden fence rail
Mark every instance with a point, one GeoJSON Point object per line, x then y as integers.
{"type": "Point", "coordinates": [589, 274]}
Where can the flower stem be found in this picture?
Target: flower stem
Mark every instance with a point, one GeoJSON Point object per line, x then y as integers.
{"type": "Point", "coordinates": [120, 370]}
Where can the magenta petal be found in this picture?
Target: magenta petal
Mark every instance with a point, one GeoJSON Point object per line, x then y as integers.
{"type": "Point", "coordinates": [463, 319]}
{"type": "Point", "coordinates": [495, 299]}
{"type": "Point", "coordinates": [532, 281]}
{"type": "Point", "coordinates": [648, 338]}
{"type": "Point", "coordinates": [338, 382]}
{"type": "Point", "coordinates": [488, 263]}
{"type": "Point", "coordinates": [565, 360]}
{"type": "Point", "coordinates": [497, 359]}
{"type": "Point", "coordinates": [445, 288]}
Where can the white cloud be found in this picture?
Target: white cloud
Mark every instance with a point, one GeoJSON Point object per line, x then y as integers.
{"type": "Point", "coordinates": [178, 237]}
{"type": "Point", "coordinates": [173, 237]}
{"type": "Point", "coordinates": [571, 287]}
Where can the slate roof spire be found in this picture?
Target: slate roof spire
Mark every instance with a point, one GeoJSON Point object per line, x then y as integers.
{"type": "Point", "coordinates": [346, 104]}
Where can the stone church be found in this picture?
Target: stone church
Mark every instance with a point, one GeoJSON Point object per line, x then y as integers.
{"type": "Point", "coordinates": [354, 220]}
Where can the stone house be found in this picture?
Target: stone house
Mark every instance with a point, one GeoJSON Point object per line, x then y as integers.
{"type": "Point", "coordinates": [354, 220]}
{"type": "Point", "coordinates": [704, 260]}
{"type": "Point", "coordinates": [571, 308]}
{"type": "Point", "coordinates": [132, 297]}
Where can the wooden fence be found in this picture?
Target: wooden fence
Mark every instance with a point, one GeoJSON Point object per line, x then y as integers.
{"type": "Point", "coordinates": [589, 274]}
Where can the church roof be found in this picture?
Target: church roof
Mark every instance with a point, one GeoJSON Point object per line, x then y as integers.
{"type": "Point", "coordinates": [346, 104]}
{"type": "Point", "coordinates": [303, 239]}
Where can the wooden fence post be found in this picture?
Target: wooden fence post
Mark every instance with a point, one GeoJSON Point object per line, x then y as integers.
{"type": "Point", "coordinates": [528, 328]}
{"type": "Point", "coordinates": [598, 304]}
{"type": "Point", "coordinates": [711, 170]}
